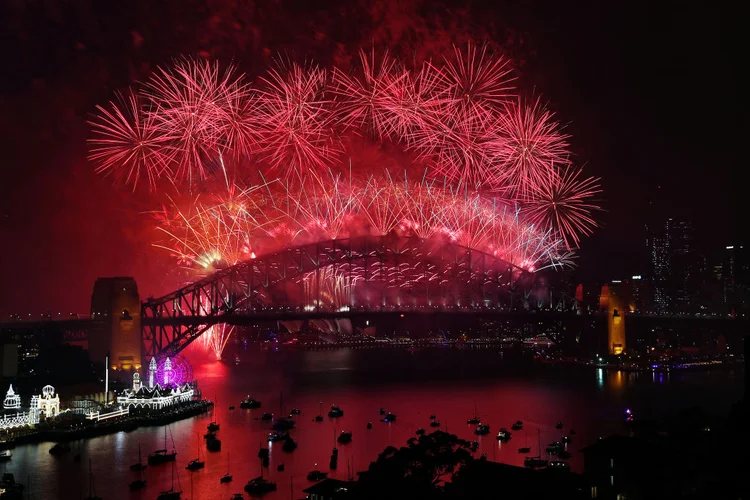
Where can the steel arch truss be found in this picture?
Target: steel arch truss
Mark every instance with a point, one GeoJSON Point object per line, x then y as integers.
{"type": "Point", "coordinates": [367, 273]}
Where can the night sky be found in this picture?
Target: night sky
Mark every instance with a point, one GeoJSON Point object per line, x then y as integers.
{"type": "Point", "coordinates": [649, 94]}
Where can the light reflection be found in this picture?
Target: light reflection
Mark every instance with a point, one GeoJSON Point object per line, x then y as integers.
{"type": "Point", "coordinates": [600, 377]}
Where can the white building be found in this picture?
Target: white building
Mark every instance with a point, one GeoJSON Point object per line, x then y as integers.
{"type": "Point", "coordinates": [156, 397]}
{"type": "Point", "coordinates": [46, 404]}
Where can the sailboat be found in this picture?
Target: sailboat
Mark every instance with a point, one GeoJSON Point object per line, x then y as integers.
{"type": "Point", "coordinates": [526, 448]}
{"type": "Point", "coordinates": [537, 461]}
{"type": "Point", "coordinates": [140, 465]}
{"type": "Point", "coordinates": [196, 463]}
{"type": "Point", "coordinates": [226, 478]}
{"type": "Point", "coordinates": [260, 485]}
{"type": "Point", "coordinates": [92, 490]}
{"type": "Point", "coordinates": [161, 456]}
{"type": "Point", "coordinates": [171, 493]}
{"type": "Point", "coordinates": [319, 416]}
{"type": "Point", "coordinates": [475, 419]}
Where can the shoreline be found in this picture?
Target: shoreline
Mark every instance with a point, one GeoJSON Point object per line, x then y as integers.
{"type": "Point", "coordinates": [125, 424]}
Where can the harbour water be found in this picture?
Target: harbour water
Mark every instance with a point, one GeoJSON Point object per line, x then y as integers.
{"type": "Point", "coordinates": [410, 383]}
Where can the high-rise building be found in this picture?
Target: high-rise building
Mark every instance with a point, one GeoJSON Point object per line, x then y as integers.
{"type": "Point", "coordinates": [673, 265]}
{"type": "Point", "coordinates": [735, 279]}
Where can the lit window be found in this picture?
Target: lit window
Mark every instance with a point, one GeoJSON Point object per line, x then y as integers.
{"type": "Point", "coordinates": [612, 480]}
{"type": "Point", "coordinates": [612, 462]}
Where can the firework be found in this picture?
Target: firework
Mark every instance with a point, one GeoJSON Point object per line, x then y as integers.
{"type": "Point", "coordinates": [564, 202]}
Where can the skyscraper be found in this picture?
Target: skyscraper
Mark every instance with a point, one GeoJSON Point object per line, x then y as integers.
{"type": "Point", "coordinates": [735, 279]}
{"type": "Point", "coordinates": [672, 265]}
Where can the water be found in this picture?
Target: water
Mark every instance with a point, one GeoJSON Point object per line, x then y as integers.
{"type": "Point", "coordinates": [411, 384]}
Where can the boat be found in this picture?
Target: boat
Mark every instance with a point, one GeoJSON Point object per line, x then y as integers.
{"type": "Point", "coordinates": [212, 427]}
{"type": "Point", "coordinates": [267, 416]}
{"type": "Point", "coordinates": [475, 419]}
{"type": "Point", "coordinates": [209, 435]}
{"type": "Point", "coordinates": [296, 411]}
{"type": "Point", "coordinates": [432, 417]}
{"type": "Point", "coordinates": [390, 417]}
{"type": "Point", "coordinates": [92, 490]}
{"type": "Point", "coordinates": [537, 461]}
{"type": "Point", "coordinates": [227, 478]}
{"type": "Point", "coordinates": [525, 449]}
{"type": "Point", "coordinates": [565, 440]}
{"type": "Point", "coordinates": [263, 453]}
{"type": "Point", "coordinates": [369, 425]}
{"type": "Point", "coordinates": [482, 429]}
{"type": "Point", "coordinates": [572, 432]}
{"type": "Point", "coordinates": [503, 434]}
{"type": "Point", "coordinates": [434, 423]}
{"type": "Point", "coordinates": [319, 416]}
{"type": "Point", "coordinates": [344, 437]}
{"type": "Point", "coordinates": [237, 496]}
{"type": "Point", "coordinates": [213, 444]}
{"type": "Point", "coordinates": [316, 475]}
{"type": "Point", "coordinates": [420, 432]}
{"type": "Point", "coordinates": [335, 412]}
{"type": "Point", "coordinates": [59, 449]}
{"type": "Point", "coordinates": [250, 403]}
{"type": "Point", "coordinates": [559, 464]}
{"type": "Point", "coordinates": [138, 466]}
{"type": "Point", "coordinates": [195, 464]}
{"type": "Point", "coordinates": [289, 445]}
{"type": "Point", "coordinates": [161, 456]}
{"type": "Point", "coordinates": [5, 456]}
{"type": "Point", "coordinates": [136, 485]}
{"type": "Point", "coordinates": [260, 485]}
{"type": "Point", "coordinates": [231, 407]}
{"type": "Point", "coordinates": [474, 445]}
{"type": "Point", "coordinates": [280, 467]}
{"type": "Point", "coordinates": [382, 411]}
{"type": "Point", "coordinates": [171, 493]}
{"type": "Point", "coordinates": [283, 424]}
{"type": "Point", "coordinates": [517, 426]}
{"type": "Point", "coordinates": [559, 425]}
{"type": "Point", "coordinates": [483, 457]}
{"type": "Point", "coordinates": [274, 437]}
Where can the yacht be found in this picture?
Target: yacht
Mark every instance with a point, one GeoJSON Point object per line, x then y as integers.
{"type": "Point", "coordinates": [482, 429]}
{"type": "Point", "coordinates": [475, 419]}
{"type": "Point", "coordinates": [390, 417]}
{"type": "Point", "coordinates": [289, 445]}
{"type": "Point", "coordinates": [231, 407]}
{"type": "Point", "coordinates": [296, 411]}
{"type": "Point", "coordinates": [5, 456]}
{"type": "Point", "coordinates": [432, 417]}
{"type": "Point", "coordinates": [212, 427]}
{"type": "Point", "coordinates": [195, 464]}
{"type": "Point", "coordinates": [369, 425]}
{"type": "Point", "coordinates": [259, 485]}
{"type": "Point", "coordinates": [226, 478]}
{"type": "Point", "coordinates": [517, 426]}
{"type": "Point", "coordinates": [267, 416]}
{"type": "Point", "coordinates": [558, 464]}
{"type": "Point", "coordinates": [316, 475]}
{"type": "Point", "coordinates": [274, 437]}
{"type": "Point", "coordinates": [525, 449]}
{"type": "Point", "coordinates": [559, 425]}
{"type": "Point", "coordinates": [434, 423]}
{"type": "Point", "coordinates": [503, 434]}
{"type": "Point", "coordinates": [534, 462]}
{"type": "Point", "coordinates": [420, 431]}
{"type": "Point", "coordinates": [335, 412]}
{"type": "Point", "coordinates": [161, 457]}
{"type": "Point", "coordinates": [136, 485]}
{"type": "Point", "coordinates": [213, 444]}
{"type": "Point", "coordinates": [344, 437]}
{"type": "Point", "coordinates": [250, 403]}
{"type": "Point", "coordinates": [59, 449]}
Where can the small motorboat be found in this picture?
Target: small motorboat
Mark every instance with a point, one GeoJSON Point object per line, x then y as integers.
{"type": "Point", "coordinates": [390, 417]}
{"type": "Point", "coordinates": [434, 423]}
{"type": "Point", "coordinates": [534, 462]}
{"type": "Point", "coordinates": [263, 453]}
{"type": "Point", "coordinates": [212, 427]}
{"type": "Point", "coordinates": [382, 411]}
{"type": "Point", "coordinates": [283, 424]}
{"type": "Point", "coordinates": [5, 456]}
{"type": "Point", "coordinates": [565, 440]}
{"type": "Point", "coordinates": [266, 417]}
{"type": "Point", "coordinates": [525, 449]}
{"type": "Point", "coordinates": [482, 429]}
{"type": "Point", "coordinates": [296, 411]}
{"type": "Point", "coordinates": [335, 412]}
{"type": "Point", "coordinates": [280, 468]}
{"type": "Point", "coordinates": [237, 496]}
{"type": "Point", "coordinates": [503, 434]}
{"type": "Point", "coordinates": [231, 407]}
{"type": "Point", "coordinates": [369, 425]}
{"type": "Point", "coordinates": [559, 464]}
{"type": "Point", "coordinates": [483, 457]}
{"type": "Point", "coordinates": [517, 426]}
{"type": "Point", "coordinates": [559, 425]}
{"type": "Point", "coordinates": [226, 478]}
{"type": "Point", "coordinates": [250, 403]}
{"type": "Point", "coordinates": [213, 444]}
{"type": "Point", "coordinates": [316, 475]}
{"type": "Point", "coordinates": [318, 418]}
{"type": "Point", "coordinates": [474, 445]}
{"type": "Point", "coordinates": [344, 437]}
{"type": "Point", "coordinates": [209, 435]}
{"type": "Point", "coordinates": [420, 432]}
{"type": "Point", "coordinates": [432, 417]}
{"type": "Point", "coordinates": [136, 485]}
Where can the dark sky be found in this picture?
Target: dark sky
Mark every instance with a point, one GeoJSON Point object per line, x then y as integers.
{"type": "Point", "coordinates": [650, 94]}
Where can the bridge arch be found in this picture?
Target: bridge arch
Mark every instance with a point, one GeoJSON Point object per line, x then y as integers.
{"type": "Point", "coordinates": [337, 278]}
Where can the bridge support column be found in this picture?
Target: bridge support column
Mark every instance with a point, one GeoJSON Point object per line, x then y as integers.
{"type": "Point", "coordinates": [115, 301]}
{"type": "Point", "coordinates": [616, 307]}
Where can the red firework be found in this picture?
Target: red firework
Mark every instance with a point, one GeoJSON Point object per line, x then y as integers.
{"type": "Point", "coordinates": [564, 202]}
{"type": "Point", "coordinates": [296, 120]}
{"type": "Point", "coordinates": [127, 143]}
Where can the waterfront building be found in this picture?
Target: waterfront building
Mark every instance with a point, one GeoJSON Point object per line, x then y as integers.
{"type": "Point", "coordinates": [46, 404]}
{"type": "Point", "coordinates": [154, 397]}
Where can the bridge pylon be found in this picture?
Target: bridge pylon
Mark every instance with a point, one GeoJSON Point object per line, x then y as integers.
{"type": "Point", "coordinates": [616, 304]}
{"type": "Point", "coordinates": [115, 302]}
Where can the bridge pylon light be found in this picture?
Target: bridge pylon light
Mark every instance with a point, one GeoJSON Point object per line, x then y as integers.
{"type": "Point", "coordinates": [151, 373]}
{"type": "Point", "coordinates": [614, 298]}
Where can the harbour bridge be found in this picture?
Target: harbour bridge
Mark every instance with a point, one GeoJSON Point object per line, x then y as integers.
{"type": "Point", "coordinates": [360, 277]}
